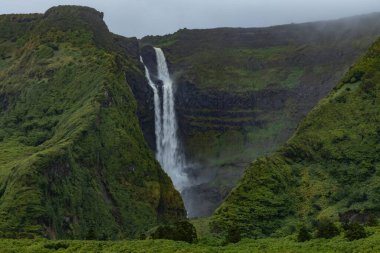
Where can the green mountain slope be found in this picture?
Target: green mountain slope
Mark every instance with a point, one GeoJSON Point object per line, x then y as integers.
{"type": "Point", "coordinates": [73, 160]}
{"type": "Point", "coordinates": [330, 166]}
{"type": "Point", "coordinates": [242, 91]}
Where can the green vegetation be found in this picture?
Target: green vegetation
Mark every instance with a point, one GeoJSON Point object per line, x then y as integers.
{"type": "Point", "coordinates": [246, 60]}
{"type": "Point", "coordinates": [326, 229]}
{"type": "Point", "coordinates": [231, 70]}
{"type": "Point", "coordinates": [273, 245]}
{"type": "Point", "coordinates": [329, 167]}
{"type": "Point", "coordinates": [303, 235]}
{"type": "Point", "coordinates": [355, 231]}
{"type": "Point", "coordinates": [233, 235]}
{"type": "Point", "coordinates": [178, 231]}
{"type": "Point", "coordinates": [73, 160]}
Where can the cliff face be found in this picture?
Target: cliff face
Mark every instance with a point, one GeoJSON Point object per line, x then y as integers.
{"type": "Point", "coordinates": [241, 92]}
{"type": "Point", "coordinates": [328, 169]}
{"type": "Point", "coordinates": [73, 160]}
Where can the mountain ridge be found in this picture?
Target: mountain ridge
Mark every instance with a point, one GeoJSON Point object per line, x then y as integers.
{"type": "Point", "coordinates": [74, 163]}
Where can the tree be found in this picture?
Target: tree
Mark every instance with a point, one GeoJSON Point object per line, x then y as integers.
{"type": "Point", "coordinates": [372, 221]}
{"type": "Point", "coordinates": [303, 234]}
{"type": "Point", "coordinates": [233, 234]}
{"type": "Point", "coordinates": [327, 229]}
{"type": "Point", "coordinates": [355, 231]}
{"type": "Point", "coordinates": [178, 231]}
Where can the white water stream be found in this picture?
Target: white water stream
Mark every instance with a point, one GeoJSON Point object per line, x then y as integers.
{"type": "Point", "coordinates": [168, 149]}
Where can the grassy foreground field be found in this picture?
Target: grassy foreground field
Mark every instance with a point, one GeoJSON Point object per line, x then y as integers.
{"type": "Point", "coordinates": [288, 244]}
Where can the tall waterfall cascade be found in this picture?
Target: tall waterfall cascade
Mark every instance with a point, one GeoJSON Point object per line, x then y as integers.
{"type": "Point", "coordinates": [168, 151]}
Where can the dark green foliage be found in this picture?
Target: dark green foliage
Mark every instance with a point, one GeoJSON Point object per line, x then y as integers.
{"type": "Point", "coordinates": [372, 221]}
{"type": "Point", "coordinates": [354, 231]}
{"type": "Point", "coordinates": [275, 245]}
{"type": "Point", "coordinates": [179, 231]}
{"type": "Point", "coordinates": [56, 246]}
{"type": "Point", "coordinates": [265, 207]}
{"type": "Point", "coordinates": [73, 160]}
{"type": "Point", "coordinates": [233, 234]}
{"type": "Point", "coordinates": [303, 234]}
{"type": "Point", "coordinates": [326, 229]}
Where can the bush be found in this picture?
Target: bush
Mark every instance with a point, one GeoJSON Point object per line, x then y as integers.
{"type": "Point", "coordinates": [372, 221]}
{"type": "Point", "coordinates": [327, 229]}
{"type": "Point", "coordinates": [368, 87]}
{"type": "Point", "coordinates": [179, 231]}
{"type": "Point", "coordinates": [303, 235]}
{"type": "Point", "coordinates": [233, 235]}
{"type": "Point", "coordinates": [355, 231]}
{"type": "Point", "coordinates": [56, 246]}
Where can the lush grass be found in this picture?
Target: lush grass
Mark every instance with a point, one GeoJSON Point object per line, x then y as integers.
{"type": "Point", "coordinates": [272, 245]}
{"type": "Point", "coordinates": [330, 165]}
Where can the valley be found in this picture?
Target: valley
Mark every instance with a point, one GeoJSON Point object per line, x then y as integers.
{"type": "Point", "coordinates": [204, 140]}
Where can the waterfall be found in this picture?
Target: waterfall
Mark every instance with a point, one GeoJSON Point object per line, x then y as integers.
{"type": "Point", "coordinates": [168, 151]}
{"type": "Point", "coordinates": [157, 107]}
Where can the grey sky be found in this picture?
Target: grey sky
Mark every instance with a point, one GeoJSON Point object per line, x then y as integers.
{"type": "Point", "coordinates": [157, 17]}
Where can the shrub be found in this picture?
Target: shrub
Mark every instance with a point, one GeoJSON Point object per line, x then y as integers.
{"type": "Point", "coordinates": [303, 234]}
{"type": "Point", "coordinates": [91, 234]}
{"type": "Point", "coordinates": [179, 231]}
{"type": "Point", "coordinates": [372, 221]}
{"type": "Point", "coordinates": [142, 236]}
{"type": "Point", "coordinates": [327, 229]}
{"type": "Point", "coordinates": [355, 231]}
{"type": "Point", "coordinates": [233, 235]}
{"type": "Point", "coordinates": [56, 246]}
{"type": "Point", "coordinates": [368, 87]}
{"type": "Point", "coordinates": [355, 76]}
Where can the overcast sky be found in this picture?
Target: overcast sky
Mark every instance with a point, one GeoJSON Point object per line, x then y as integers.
{"type": "Point", "coordinates": [156, 17]}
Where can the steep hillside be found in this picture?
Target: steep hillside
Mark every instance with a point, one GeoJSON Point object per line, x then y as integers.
{"type": "Point", "coordinates": [241, 92]}
{"type": "Point", "coordinates": [329, 168]}
{"type": "Point", "coordinates": [73, 160]}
